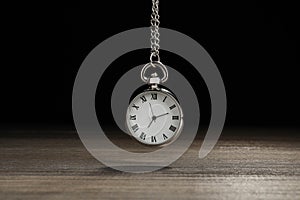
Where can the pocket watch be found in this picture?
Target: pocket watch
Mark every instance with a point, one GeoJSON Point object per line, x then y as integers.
{"type": "Point", "coordinates": [154, 115]}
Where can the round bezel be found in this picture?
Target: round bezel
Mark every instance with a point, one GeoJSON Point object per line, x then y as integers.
{"type": "Point", "coordinates": [173, 98]}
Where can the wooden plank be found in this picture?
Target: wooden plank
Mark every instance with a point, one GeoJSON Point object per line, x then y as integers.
{"type": "Point", "coordinates": [59, 167]}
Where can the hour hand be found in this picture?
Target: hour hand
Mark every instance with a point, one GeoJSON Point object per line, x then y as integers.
{"type": "Point", "coordinates": [162, 115]}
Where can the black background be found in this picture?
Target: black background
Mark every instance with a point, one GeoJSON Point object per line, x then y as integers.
{"type": "Point", "coordinates": [254, 44]}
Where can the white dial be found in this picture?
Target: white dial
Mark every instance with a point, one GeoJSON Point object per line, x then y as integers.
{"type": "Point", "coordinates": [154, 118]}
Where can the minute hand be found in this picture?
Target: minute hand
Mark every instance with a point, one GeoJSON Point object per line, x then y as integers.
{"type": "Point", "coordinates": [162, 115]}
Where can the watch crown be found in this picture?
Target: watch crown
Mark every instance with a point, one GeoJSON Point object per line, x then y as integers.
{"type": "Point", "coordinates": [154, 79]}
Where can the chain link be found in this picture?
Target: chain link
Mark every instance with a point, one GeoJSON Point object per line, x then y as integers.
{"type": "Point", "coordinates": [154, 40]}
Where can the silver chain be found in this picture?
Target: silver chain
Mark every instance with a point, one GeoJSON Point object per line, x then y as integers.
{"type": "Point", "coordinates": [154, 40]}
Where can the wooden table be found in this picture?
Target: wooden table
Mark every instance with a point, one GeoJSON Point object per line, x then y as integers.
{"type": "Point", "coordinates": [245, 164]}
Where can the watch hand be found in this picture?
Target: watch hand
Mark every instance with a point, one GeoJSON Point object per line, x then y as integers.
{"type": "Point", "coordinates": [152, 120]}
{"type": "Point", "coordinates": [162, 115]}
{"type": "Point", "coordinates": [151, 110]}
{"type": "Point", "coordinates": [150, 123]}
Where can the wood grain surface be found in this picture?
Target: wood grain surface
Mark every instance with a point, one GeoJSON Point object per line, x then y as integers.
{"type": "Point", "coordinates": [35, 165]}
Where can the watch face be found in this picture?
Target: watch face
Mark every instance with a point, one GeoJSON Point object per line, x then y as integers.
{"type": "Point", "coordinates": [154, 118]}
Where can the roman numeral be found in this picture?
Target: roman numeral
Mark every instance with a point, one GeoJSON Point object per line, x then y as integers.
{"type": "Point", "coordinates": [143, 136]}
{"type": "Point", "coordinates": [135, 128]}
{"type": "Point", "coordinates": [154, 96]}
{"type": "Point", "coordinates": [153, 139]}
{"type": "Point", "coordinates": [165, 99]}
{"type": "Point", "coordinates": [135, 106]}
{"type": "Point", "coordinates": [173, 106]}
{"type": "Point", "coordinates": [175, 117]}
{"type": "Point", "coordinates": [143, 99]}
{"type": "Point", "coordinates": [172, 128]}
{"type": "Point", "coordinates": [132, 117]}
{"type": "Point", "coordinates": [165, 137]}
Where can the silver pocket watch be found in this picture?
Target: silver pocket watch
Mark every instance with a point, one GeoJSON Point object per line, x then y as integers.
{"type": "Point", "coordinates": [154, 115]}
